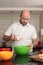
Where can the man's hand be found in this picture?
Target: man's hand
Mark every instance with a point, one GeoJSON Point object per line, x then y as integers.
{"type": "Point", "coordinates": [16, 37]}
{"type": "Point", "coordinates": [31, 47]}
{"type": "Point", "coordinates": [35, 41]}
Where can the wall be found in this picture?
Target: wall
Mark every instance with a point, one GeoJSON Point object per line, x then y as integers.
{"type": "Point", "coordinates": [41, 17]}
{"type": "Point", "coordinates": [35, 20]}
{"type": "Point", "coordinates": [41, 24]}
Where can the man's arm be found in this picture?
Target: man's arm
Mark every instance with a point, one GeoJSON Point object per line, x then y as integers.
{"type": "Point", "coordinates": [12, 37]}
{"type": "Point", "coordinates": [35, 41]}
{"type": "Point", "coordinates": [6, 38]}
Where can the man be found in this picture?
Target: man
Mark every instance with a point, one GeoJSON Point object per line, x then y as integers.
{"type": "Point", "coordinates": [22, 33]}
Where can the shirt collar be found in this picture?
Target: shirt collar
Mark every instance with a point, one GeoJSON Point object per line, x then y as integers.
{"type": "Point", "coordinates": [22, 25]}
{"type": "Point", "coordinates": [27, 24]}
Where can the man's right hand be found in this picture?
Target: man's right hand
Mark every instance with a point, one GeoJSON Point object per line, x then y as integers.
{"type": "Point", "coordinates": [16, 37]}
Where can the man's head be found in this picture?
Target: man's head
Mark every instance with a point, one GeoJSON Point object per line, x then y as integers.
{"type": "Point", "coordinates": [24, 17]}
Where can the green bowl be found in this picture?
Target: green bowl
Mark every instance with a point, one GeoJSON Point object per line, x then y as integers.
{"type": "Point", "coordinates": [22, 50]}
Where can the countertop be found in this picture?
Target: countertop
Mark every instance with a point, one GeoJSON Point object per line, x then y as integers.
{"type": "Point", "coordinates": [20, 60]}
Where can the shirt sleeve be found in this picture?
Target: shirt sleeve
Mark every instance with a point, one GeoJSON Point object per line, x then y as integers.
{"type": "Point", "coordinates": [34, 33]}
{"type": "Point", "coordinates": [10, 29]}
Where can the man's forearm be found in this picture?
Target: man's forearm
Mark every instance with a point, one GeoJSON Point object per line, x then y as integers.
{"type": "Point", "coordinates": [35, 41]}
{"type": "Point", "coordinates": [6, 38]}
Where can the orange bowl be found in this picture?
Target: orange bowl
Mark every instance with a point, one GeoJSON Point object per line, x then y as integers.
{"type": "Point", "coordinates": [6, 55]}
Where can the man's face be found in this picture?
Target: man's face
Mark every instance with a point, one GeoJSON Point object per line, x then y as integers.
{"type": "Point", "coordinates": [24, 18]}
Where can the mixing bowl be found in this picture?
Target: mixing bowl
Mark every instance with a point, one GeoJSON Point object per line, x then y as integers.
{"type": "Point", "coordinates": [6, 55]}
{"type": "Point", "coordinates": [22, 50]}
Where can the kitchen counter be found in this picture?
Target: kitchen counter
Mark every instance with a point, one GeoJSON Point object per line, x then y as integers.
{"type": "Point", "coordinates": [20, 60]}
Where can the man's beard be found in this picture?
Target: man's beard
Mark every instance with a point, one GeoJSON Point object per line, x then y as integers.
{"type": "Point", "coordinates": [23, 23]}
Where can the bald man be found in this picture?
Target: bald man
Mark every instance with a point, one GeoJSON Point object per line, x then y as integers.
{"type": "Point", "coordinates": [22, 33]}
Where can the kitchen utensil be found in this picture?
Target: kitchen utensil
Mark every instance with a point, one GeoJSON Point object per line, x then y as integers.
{"type": "Point", "coordinates": [36, 58]}
{"type": "Point", "coordinates": [6, 55]}
{"type": "Point", "coordinates": [22, 50]}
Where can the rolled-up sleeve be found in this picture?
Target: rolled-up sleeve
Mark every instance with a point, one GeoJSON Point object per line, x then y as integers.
{"type": "Point", "coordinates": [11, 29]}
